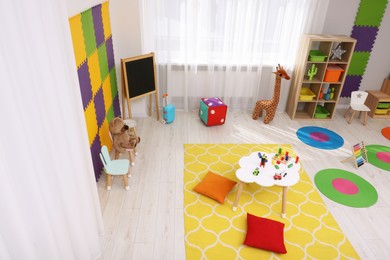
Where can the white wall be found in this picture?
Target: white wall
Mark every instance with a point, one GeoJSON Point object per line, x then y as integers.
{"type": "Point", "coordinates": [378, 66]}
{"type": "Point", "coordinates": [340, 17]}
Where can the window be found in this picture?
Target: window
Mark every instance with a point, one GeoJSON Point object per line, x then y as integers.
{"type": "Point", "coordinates": [223, 32]}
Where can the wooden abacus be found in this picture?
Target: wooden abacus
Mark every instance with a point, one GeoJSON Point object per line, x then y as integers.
{"type": "Point", "coordinates": [359, 155]}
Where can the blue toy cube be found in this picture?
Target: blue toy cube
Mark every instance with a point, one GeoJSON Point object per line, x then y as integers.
{"type": "Point", "coordinates": [169, 113]}
{"type": "Point", "coordinates": [212, 111]}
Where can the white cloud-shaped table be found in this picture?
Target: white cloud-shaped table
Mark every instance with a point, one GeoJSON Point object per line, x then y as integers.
{"type": "Point", "coordinates": [250, 171]}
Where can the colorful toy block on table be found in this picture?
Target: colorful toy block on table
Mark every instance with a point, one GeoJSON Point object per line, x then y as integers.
{"type": "Point", "coordinates": [263, 159]}
{"type": "Point", "coordinates": [279, 158]}
{"type": "Point", "coordinates": [212, 111]}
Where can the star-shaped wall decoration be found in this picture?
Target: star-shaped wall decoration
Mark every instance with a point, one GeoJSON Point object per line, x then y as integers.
{"type": "Point", "coordinates": [337, 52]}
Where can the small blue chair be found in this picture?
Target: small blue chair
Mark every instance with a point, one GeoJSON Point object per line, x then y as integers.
{"type": "Point", "coordinates": [114, 167]}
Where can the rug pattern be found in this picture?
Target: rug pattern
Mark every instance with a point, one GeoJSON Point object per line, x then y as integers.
{"type": "Point", "coordinates": [320, 137]}
{"type": "Point", "coordinates": [346, 188]}
{"type": "Point", "coordinates": [214, 231]}
{"type": "Point", "coordinates": [379, 156]}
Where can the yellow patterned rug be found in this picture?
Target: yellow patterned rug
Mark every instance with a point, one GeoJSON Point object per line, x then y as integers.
{"type": "Point", "coordinates": [214, 231]}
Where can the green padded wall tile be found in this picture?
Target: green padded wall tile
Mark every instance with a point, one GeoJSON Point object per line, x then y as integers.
{"type": "Point", "coordinates": [110, 113]}
{"type": "Point", "coordinates": [358, 63]}
{"type": "Point", "coordinates": [370, 12]}
{"type": "Point", "coordinates": [88, 31]}
{"type": "Point", "coordinates": [103, 64]}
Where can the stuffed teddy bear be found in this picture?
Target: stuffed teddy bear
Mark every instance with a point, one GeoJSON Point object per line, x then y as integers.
{"type": "Point", "coordinates": [121, 138]}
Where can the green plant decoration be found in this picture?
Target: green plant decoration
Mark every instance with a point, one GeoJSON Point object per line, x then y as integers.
{"type": "Point", "coordinates": [312, 72]}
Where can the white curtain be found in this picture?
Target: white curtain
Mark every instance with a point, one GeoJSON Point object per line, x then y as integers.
{"type": "Point", "coordinates": [225, 48]}
{"type": "Point", "coordinates": [48, 196]}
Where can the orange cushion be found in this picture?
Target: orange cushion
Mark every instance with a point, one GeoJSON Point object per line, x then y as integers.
{"type": "Point", "coordinates": [215, 186]}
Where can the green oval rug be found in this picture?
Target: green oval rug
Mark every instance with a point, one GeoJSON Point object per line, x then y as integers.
{"type": "Point", "coordinates": [379, 156]}
{"type": "Point", "coordinates": [346, 188]}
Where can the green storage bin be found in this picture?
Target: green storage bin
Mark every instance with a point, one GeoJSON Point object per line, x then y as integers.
{"type": "Point", "coordinates": [383, 105]}
{"type": "Point", "coordinates": [321, 112]}
{"type": "Point", "coordinates": [316, 55]}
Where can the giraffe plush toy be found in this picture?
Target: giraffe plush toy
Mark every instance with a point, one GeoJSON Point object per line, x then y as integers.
{"type": "Point", "coordinates": [270, 105]}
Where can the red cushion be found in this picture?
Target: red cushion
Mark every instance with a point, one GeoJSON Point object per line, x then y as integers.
{"type": "Point", "coordinates": [265, 234]}
{"type": "Point", "coordinates": [215, 186]}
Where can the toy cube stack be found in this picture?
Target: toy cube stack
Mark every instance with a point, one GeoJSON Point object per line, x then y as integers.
{"type": "Point", "coordinates": [212, 111]}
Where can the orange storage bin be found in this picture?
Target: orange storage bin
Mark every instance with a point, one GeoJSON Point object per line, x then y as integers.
{"type": "Point", "coordinates": [333, 73]}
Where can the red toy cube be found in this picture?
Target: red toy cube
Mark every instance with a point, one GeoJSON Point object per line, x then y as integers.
{"type": "Point", "coordinates": [212, 111]}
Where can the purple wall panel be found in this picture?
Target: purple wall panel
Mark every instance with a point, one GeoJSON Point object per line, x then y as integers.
{"type": "Point", "coordinates": [117, 109]}
{"type": "Point", "coordinates": [98, 24]}
{"type": "Point", "coordinates": [351, 83]}
{"type": "Point", "coordinates": [95, 151]}
{"type": "Point", "coordinates": [85, 84]}
{"type": "Point", "coordinates": [99, 107]}
{"type": "Point", "coordinates": [365, 36]}
{"type": "Point", "coordinates": [110, 53]}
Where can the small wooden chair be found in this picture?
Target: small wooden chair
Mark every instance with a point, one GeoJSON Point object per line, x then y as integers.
{"type": "Point", "coordinates": [357, 104]}
{"type": "Point", "coordinates": [131, 152]}
{"type": "Point", "coordinates": [114, 167]}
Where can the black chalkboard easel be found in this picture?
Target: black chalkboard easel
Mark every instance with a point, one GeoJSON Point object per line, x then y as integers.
{"type": "Point", "coordinates": [139, 80]}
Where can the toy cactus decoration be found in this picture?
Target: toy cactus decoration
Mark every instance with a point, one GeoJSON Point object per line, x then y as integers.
{"type": "Point", "coordinates": [312, 72]}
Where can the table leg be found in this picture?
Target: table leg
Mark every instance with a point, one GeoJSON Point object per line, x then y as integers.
{"type": "Point", "coordinates": [284, 197]}
{"type": "Point", "coordinates": [240, 187]}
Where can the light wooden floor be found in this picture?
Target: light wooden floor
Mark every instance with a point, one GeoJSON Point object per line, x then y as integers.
{"type": "Point", "coordinates": [147, 222]}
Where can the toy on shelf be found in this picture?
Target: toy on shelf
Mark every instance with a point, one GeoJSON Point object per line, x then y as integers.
{"type": "Point", "coordinates": [327, 95]}
{"type": "Point", "coordinates": [331, 94]}
{"type": "Point", "coordinates": [312, 72]}
{"type": "Point", "coordinates": [359, 155]}
{"type": "Point", "coordinates": [338, 52]}
{"type": "Point", "coordinates": [168, 110]}
{"type": "Point", "coordinates": [270, 105]}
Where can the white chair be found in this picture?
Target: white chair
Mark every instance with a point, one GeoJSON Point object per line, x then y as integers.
{"type": "Point", "coordinates": [357, 104]}
{"type": "Point", "coordinates": [114, 167]}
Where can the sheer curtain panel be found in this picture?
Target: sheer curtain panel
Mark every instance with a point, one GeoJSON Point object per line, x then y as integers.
{"type": "Point", "coordinates": [225, 48]}
{"type": "Point", "coordinates": [48, 195]}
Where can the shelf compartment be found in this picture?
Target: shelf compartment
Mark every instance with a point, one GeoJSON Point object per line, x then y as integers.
{"type": "Point", "coordinates": [320, 72]}
{"type": "Point", "coordinates": [334, 93]}
{"type": "Point", "coordinates": [317, 56]}
{"type": "Point", "coordinates": [323, 46]}
{"type": "Point", "coordinates": [306, 94]}
{"type": "Point", "coordinates": [333, 73]}
{"type": "Point", "coordinates": [331, 107]}
{"type": "Point", "coordinates": [305, 110]}
{"type": "Point", "coordinates": [347, 46]}
{"type": "Point", "coordinates": [321, 112]}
